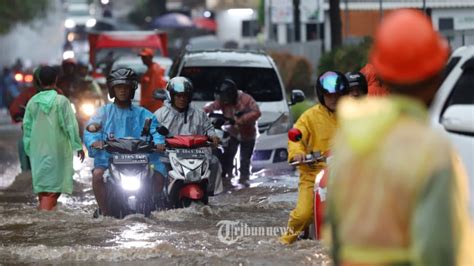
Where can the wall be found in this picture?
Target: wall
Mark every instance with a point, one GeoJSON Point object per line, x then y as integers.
{"type": "Point", "coordinates": [229, 24]}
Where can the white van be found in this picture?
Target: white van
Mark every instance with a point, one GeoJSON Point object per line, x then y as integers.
{"type": "Point", "coordinates": [256, 74]}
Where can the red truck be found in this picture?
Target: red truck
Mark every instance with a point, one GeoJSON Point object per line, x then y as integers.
{"type": "Point", "coordinates": [108, 46]}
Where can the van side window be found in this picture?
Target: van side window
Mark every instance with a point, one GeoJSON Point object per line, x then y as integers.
{"type": "Point", "coordinates": [463, 91]}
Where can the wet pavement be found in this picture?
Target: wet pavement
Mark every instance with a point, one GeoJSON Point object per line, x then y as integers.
{"type": "Point", "coordinates": [196, 235]}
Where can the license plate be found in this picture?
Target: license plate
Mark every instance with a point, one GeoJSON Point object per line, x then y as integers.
{"type": "Point", "coordinates": [130, 158]}
{"type": "Point", "coordinates": [194, 153]}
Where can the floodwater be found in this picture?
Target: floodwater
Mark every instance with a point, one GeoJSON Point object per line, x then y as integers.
{"type": "Point", "coordinates": [196, 235]}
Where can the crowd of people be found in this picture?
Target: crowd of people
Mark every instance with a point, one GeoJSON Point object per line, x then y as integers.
{"type": "Point", "coordinates": [395, 193]}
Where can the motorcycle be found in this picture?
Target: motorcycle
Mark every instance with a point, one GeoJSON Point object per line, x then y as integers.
{"type": "Point", "coordinates": [188, 178]}
{"type": "Point", "coordinates": [129, 179]}
{"type": "Point", "coordinates": [320, 185]}
{"type": "Point", "coordinates": [85, 102]}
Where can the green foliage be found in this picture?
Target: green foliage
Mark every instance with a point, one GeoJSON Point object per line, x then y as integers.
{"type": "Point", "coordinates": [298, 109]}
{"type": "Point", "coordinates": [346, 58]}
{"type": "Point", "coordinates": [13, 12]}
{"type": "Point", "coordinates": [261, 13]}
{"type": "Point", "coordinates": [146, 8]}
{"type": "Point", "coordinates": [295, 71]}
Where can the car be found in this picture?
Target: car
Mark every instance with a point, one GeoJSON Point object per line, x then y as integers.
{"type": "Point", "coordinates": [256, 74]}
{"type": "Point", "coordinates": [452, 111]}
{"type": "Point", "coordinates": [137, 65]}
{"type": "Point", "coordinates": [78, 18]}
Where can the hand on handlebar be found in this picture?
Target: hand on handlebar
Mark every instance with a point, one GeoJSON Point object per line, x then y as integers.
{"type": "Point", "coordinates": [160, 147]}
{"type": "Point", "coordinates": [81, 154]}
{"type": "Point", "coordinates": [299, 158]}
{"type": "Point", "coordinates": [215, 140]}
{"type": "Point", "coordinates": [98, 145]}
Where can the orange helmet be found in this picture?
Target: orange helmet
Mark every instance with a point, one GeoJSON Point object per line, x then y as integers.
{"type": "Point", "coordinates": [407, 49]}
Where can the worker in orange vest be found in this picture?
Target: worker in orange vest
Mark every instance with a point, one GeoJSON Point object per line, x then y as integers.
{"type": "Point", "coordinates": [152, 80]}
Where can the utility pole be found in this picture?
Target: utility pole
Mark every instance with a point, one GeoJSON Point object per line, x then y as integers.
{"type": "Point", "coordinates": [381, 9]}
{"type": "Point", "coordinates": [296, 20]}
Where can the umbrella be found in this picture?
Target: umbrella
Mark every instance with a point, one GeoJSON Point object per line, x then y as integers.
{"type": "Point", "coordinates": [205, 23]}
{"type": "Point", "coordinates": [173, 20]}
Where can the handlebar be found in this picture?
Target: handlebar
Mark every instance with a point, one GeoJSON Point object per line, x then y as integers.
{"type": "Point", "coordinates": [311, 158]}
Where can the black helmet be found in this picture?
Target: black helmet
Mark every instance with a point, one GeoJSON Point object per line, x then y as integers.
{"type": "Point", "coordinates": [331, 82]}
{"type": "Point", "coordinates": [357, 79]}
{"type": "Point", "coordinates": [180, 85]}
{"type": "Point", "coordinates": [227, 92]}
{"type": "Point", "coordinates": [122, 76]}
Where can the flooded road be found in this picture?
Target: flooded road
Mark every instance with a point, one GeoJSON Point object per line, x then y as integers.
{"type": "Point", "coordinates": [239, 227]}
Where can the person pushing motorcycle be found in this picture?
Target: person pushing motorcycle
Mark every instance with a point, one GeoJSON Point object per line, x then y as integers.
{"type": "Point", "coordinates": [120, 119]}
{"type": "Point", "coordinates": [317, 126]}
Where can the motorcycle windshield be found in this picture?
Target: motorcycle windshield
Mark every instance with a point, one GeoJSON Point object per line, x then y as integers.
{"type": "Point", "coordinates": [128, 146]}
{"type": "Point", "coordinates": [190, 142]}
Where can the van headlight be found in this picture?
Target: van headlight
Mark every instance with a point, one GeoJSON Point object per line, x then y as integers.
{"type": "Point", "coordinates": [280, 126]}
{"type": "Point", "coordinates": [91, 22]}
{"type": "Point", "coordinates": [69, 23]}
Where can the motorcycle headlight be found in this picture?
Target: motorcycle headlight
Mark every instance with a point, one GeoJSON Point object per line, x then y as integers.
{"type": "Point", "coordinates": [280, 126]}
{"type": "Point", "coordinates": [130, 183]}
{"type": "Point", "coordinates": [87, 109]}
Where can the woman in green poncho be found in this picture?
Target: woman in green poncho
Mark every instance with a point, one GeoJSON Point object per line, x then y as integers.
{"type": "Point", "coordinates": [50, 136]}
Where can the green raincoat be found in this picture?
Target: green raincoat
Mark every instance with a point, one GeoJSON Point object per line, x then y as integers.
{"type": "Point", "coordinates": [50, 136]}
{"type": "Point", "coordinates": [397, 191]}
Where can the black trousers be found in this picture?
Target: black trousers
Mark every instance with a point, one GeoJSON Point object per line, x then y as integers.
{"type": "Point", "coordinates": [246, 151]}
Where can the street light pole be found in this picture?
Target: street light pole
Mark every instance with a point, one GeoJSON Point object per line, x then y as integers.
{"type": "Point", "coordinates": [381, 9]}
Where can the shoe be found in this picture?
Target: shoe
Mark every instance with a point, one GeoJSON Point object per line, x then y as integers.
{"type": "Point", "coordinates": [97, 213]}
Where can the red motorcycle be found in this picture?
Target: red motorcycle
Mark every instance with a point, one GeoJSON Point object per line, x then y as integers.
{"type": "Point", "coordinates": [320, 184]}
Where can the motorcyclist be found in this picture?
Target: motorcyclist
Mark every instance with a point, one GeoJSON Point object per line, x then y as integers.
{"type": "Point", "coordinates": [243, 112]}
{"type": "Point", "coordinates": [357, 84]}
{"type": "Point", "coordinates": [67, 77]}
{"type": "Point", "coordinates": [317, 126]}
{"type": "Point", "coordinates": [120, 119]}
{"type": "Point", "coordinates": [181, 118]}
{"type": "Point", "coordinates": [375, 85]}
{"type": "Point", "coordinates": [84, 82]}
{"type": "Point", "coordinates": [17, 112]}
{"type": "Point", "coordinates": [397, 195]}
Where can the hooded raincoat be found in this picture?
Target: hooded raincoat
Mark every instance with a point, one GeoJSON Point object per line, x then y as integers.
{"type": "Point", "coordinates": [396, 193]}
{"type": "Point", "coordinates": [190, 122]}
{"type": "Point", "coordinates": [121, 123]}
{"type": "Point", "coordinates": [50, 135]}
{"type": "Point", "coordinates": [317, 126]}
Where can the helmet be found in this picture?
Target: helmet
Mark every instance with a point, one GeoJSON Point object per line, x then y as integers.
{"type": "Point", "coordinates": [180, 85]}
{"type": "Point", "coordinates": [331, 82]}
{"type": "Point", "coordinates": [407, 49]}
{"type": "Point", "coordinates": [227, 92]}
{"type": "Point", "coordinates": [357, 79]}
{"type": "Point", "coordinates": [122, 76]}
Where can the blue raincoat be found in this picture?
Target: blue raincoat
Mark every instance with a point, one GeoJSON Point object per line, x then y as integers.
{"type": "Point", "coordinates": [121, 123]}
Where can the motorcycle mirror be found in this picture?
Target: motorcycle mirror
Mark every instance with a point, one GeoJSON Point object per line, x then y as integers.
{"type": "Point", "coordinates": [163, 131]}
{"type": "Point", "coordinates": [295, 135]}
{"type": "Point", "coordinates": [160, 94]}
{"type": "Point", "coordinates": [146, 127]}
{"type": "Point", "coordinates": [93, 127]}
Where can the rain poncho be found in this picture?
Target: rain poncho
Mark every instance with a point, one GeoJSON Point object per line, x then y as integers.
{"type": "Point", "coordinates": [50, 135]}
{"type": "Point", "coordinates": [121, 123]}
{"type": "Point", "coordinates": [151, 81]}
{"type": "Point", "coordinates": [191, 122]}
{"type": "Point", "coordinates": [395, 194]}
{"type": "Point", "coordinates": [317, 126]}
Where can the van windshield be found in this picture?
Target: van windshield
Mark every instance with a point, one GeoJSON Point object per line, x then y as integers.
{"type": "Point", "coordinates": [261, 83]}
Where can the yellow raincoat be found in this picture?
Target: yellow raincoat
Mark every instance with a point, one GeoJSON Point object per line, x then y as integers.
{"type": "Point", "coordinates": [50, 135]}
{"type": "Point", "coordinates": [317, 125]}
{"type": "Point", "coordinates": [396, 193]}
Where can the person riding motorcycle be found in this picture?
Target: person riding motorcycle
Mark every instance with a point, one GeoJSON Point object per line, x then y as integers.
{"type": "Point", "coordinates": [17, 112]}
{"type": "Point", "coordinates": [181, 118]}
{"type": "Point", "coordinates": [317, 126]}
{"type": "Point", "coordinates": [67, 77]}
{"type": "Point", "coordinates": [120, 119]}
{"type": "Point", "coordinates": [243, 112]}
{"type": "Point", "coordinates": [397, 192]}
{"type": "Point", "coordinates": [357, 84]}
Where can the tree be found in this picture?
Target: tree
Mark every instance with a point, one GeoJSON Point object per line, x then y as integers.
{"type": "Point", "coordinates": [25, 11]}
{"type": "Point", "coordinates": [147, 8]}
{"type": "Point", "coordinates": [336, 23]}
